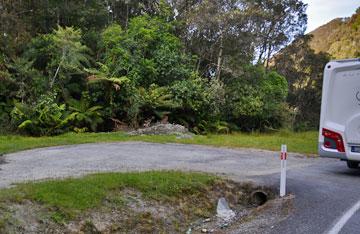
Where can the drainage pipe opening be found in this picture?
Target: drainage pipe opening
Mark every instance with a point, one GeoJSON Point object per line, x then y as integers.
{"type": "Point", "coordinates": [259, 198]}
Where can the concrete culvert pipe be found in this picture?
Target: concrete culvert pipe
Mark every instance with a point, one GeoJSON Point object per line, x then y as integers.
{"type": "Point", "coordinates": [259, 197]}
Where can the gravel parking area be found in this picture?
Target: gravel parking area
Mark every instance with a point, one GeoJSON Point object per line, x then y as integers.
{"type": "Point", "coordinates": [77, 160]}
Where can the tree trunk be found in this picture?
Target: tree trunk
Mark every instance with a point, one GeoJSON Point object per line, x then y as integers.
{"type": "Point", "coordinates": [198, 65]}
{"type": "Point", "coordinates": [262, 51]}
{"type": "Point", "coordinates": [127, 16]}
{"type": "Point", "coordinates": [220, 57]}
{"type": "Point", "coordinates": [268, 58]}
{"type": "Point", "coordinates": [57, 70]}
{"type": "Point", "coordinates": [266, 44]}
{"type": "Point", "coordinates": [56, 73]}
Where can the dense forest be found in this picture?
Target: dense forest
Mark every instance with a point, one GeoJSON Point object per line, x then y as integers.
{"type": "Point", "coordinates": [210, 65]}
{"type": "Point", "coordinates": [340, 37]}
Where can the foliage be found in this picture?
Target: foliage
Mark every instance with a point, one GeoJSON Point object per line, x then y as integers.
{"type": "Point", "coordinates": [5, 119]}
{"type": "Point", "coordinates": [7, 83]}
{"type": "Point", "coordinates": [340, 37]}
{"type": "Point", "coordinates": [198, 100]}
{"type": "Point", "coordinates": [137, 62]}
{"type": "Point", "coordinates": [39, 51]}
{"type": "Point", "coordinates": [207, 127]}
{"type": "Point", "coordinates": [225, 34]}
{"type": "Point", "coordinates": [83, 116]}
{"type": "Point", "coordinates": [7, 88]}
{"type": "Point", "coordinates": [61, 56]}
{"type": "Point", "coordinates": [69, 54]}
{"type": "Point", "coordinates": [45, 117]}
{"type": "Point", "coordinates": [147, 57]}
{"type": "Point", "coordinates": [111, 84]}
{"type": "Point", "coordinates": [147, 52]}
{"type": "Point", "coordinates": [156, 102]}
{"type": "Point", "coordinates": [281, 21]}
{"type": "Point", "coordinates": [254, 100]}
{"type": "Point", "coordinates": [28, 80]}
{"type": "Point", "coordinates": [3, 69]}
{"type": "Point", "coordinates": [304, 69]}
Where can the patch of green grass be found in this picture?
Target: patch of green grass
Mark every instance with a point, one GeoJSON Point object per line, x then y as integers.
{"type": "Point", "coordinates": [13, 143]}
{"type": "Point", "coordinates": [302, 142]}
{"type": "Point", "coordinates": [69, 196]}
{"type": "Point", "coordinates": [59, 217]}
{"type": "Point", "coordinates": [3, 220]}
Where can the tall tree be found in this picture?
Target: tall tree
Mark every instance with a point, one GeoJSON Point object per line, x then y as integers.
{"type": "Point", "coordinates": [69, 54]}
{"type": "Point", "coordinates": [275, 24]}
{"type": "Point", "coordinates": [217, 31]}
{"type": "Point", "coordinates": [227, 33]}
{"type": "Point", "coordinates": [303, 69]}
{"type": "Point", "coordinates": [122, 10]}
{"type": "Point", "coordinates": [14, 31]}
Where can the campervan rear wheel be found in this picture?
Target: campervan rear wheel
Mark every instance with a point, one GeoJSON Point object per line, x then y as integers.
{"type": "Point", "coordinates": [352, 164]}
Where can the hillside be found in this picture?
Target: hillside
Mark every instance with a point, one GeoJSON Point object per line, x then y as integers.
{"type": "Point", "coordinates": [340, 37]}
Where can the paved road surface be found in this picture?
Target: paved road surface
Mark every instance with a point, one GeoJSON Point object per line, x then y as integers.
{"type": "Point", "coordinates": [324, 189]}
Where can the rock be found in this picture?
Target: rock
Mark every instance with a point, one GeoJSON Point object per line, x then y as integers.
{"type": "Point", "coordinates": [224, 225]}
{"type": "Point", "coordinates": [100, 226]}
{"type": "Point", "coordinates": [189, 231]}
{"type": "Point", "coordinates": [223, 211]}
{"type": "Point", "coordinates": [204, 230]}
{"type": "Point", "coordinates": [207, 220]}
{"type": "Point", "coordinates": [184, 136]}
{"type": "Point", "coordinates": [163, 129]}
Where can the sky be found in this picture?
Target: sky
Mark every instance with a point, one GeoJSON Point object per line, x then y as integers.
{"type": "Point", "coordinates": [322, 11]}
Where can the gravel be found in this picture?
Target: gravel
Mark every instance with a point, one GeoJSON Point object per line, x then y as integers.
{"type": "Point", "coordinates": [323, 188]}
{"type": "Point", "coordinates": [77, 160]}
{"type": "Point", "coordinates": [162, 129]}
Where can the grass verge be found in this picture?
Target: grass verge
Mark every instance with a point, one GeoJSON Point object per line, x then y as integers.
{"type": "Point", "coordinates": [78, 194]}
{"type": "Point", "coordinates": [302, 142]}
{"type": "Point", "coordinates": [142, 202]}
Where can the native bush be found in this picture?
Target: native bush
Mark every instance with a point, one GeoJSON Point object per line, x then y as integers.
{"type": "Point", "coordinates": [44, 117]}
{"type": "Point", "coordinates": [256, 99]}
{"type": "Point", "coordinates": [141, 72]}
{"type": "Point", "coordinates": [198, 100]}
{"type": "Point", "coordinates": [83, 116]}
{"type": "Point", "coordinates": [147, 52]}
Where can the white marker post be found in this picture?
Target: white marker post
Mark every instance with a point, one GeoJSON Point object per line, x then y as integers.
{"type": "Point", "coordinates": [283, 157]}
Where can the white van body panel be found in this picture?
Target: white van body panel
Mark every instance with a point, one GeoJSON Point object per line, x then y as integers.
{"type": "Point", "coordinates": [340, 107]}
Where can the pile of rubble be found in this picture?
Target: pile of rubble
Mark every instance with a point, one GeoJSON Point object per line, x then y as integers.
{"type": "Point", "coordinates": [163, 129]}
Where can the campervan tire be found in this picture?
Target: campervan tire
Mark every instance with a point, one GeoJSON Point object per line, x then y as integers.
{"type": "Point", "coordinates": [352, 164]}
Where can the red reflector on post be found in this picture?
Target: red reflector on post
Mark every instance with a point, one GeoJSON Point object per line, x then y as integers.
{"type": "Point", "coordinates": [283, 156]}
{"type": "Point", "coordinates": [334, 136]}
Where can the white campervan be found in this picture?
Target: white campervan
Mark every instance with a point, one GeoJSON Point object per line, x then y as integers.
{"type": "Point", "coordinates": [340, 112]}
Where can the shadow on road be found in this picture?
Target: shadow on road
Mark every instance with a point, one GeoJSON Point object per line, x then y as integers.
{"type": "Point", "coordinates": [348, 172]}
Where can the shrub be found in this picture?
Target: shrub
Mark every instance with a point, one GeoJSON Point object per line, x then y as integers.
{"type": "Point", "coordinates": [83, 117]}
{"type": "Point", "coordinates": [198, 101]}
{"type": "Point", "coordinates": [256, 99]}
{"type": "Point", "coordinates": [45, 117]}
{"type": "Point", "coordinates": [147, 52]}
